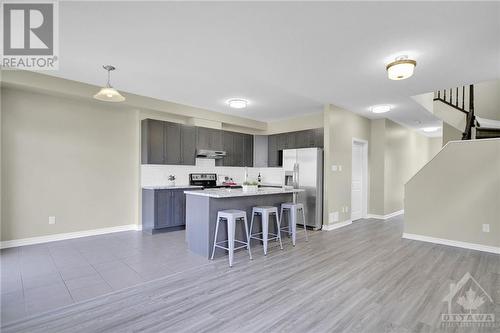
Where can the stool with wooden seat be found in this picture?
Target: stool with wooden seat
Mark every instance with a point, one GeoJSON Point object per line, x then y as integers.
{"type": "Point", "coordinates": [292, 209]}
{"type": "Point", "coordinates": [231, 216]}
{"type": "Point", "coordinates": [265, 212]}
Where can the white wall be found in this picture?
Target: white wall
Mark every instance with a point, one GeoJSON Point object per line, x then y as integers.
{"type": "Point", "coordinates": [157, 175]}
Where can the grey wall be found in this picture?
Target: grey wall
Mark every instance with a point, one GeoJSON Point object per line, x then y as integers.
{"type": "Point", "coordinates": [73, 159]}
{"type": "Point", "coordinates": [456, 193]}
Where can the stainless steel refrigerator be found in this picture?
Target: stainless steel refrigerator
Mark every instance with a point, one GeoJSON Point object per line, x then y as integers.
{"type": "Point", "coordinates": [304, 169]}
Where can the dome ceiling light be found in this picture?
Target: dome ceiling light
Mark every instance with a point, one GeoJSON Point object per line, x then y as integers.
{"type": "Point", "coordinates": [381, 108]}
{"type": "Point", "coordinates": [401, 68]}
{"type": "Point", "coordinates": [237, 103]}
{"type": "Point", "coordinates": [430, 129]}
{"type": "Point", "coordinates": [108, 93]}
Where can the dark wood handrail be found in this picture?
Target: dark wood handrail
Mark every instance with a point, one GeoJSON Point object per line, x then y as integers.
{"type": "Point", "coordinates": [455, 103]}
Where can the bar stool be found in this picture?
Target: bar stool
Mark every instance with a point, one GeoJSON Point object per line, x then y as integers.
{"type": "Point", "coordinates": [265, 212]}
{"type": "Point", "coordinates": [231, 216]}
{"type": "Point", "coordinates": [292, 209]}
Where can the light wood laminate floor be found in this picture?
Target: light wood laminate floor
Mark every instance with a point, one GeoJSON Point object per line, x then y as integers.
{"type": "Point", "coordinates": [360, 278]}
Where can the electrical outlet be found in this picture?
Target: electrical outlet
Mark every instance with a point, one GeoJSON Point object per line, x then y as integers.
{"type": "Point", "coordinates": [52, 220]}
{"type": "Point", "coordinates": [486, 228]}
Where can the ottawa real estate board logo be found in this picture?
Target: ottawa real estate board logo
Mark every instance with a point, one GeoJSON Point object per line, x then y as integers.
{"type": "Point", "coordinates": [468, 305]}
{"type": "Point", "coordinates": [30, 38]}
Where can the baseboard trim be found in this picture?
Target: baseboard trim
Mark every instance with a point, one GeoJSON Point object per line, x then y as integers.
{"type": "Point", "coordinates": [67, 235]}
{"type": "Point", "coordinates": [449, 242]}
{"type": "Point", "coordinates": [329, 227]}
{"type": "Point", "coordinates": [385, 217]}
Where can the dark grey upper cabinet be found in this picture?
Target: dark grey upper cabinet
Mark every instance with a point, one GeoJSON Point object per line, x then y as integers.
{"type": "Point", "coordinates": [247, 150]}
{"type": "Point", "coordinates": [228, 147]}
{"type": "Point", "coordinates": [319, 137]}
{"type": "Point", "coordinates": [172, 143]}
{"type": "Point", "coordinates": [272, 151]}
{"type": "Point", "coordinates": [292, 140]}
{"type": "Point", "coordinates": [238, 148]}
{"type": "Point", "coordinates": [209, 138]}
{"type": "Point", "coordinates": [188, 145]}
{"type": "Point", "coordinates": [152, 141]}
{"type": "Point", "coordinates": [163, 142]}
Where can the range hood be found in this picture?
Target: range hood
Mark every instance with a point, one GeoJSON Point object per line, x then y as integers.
{"type": "Point", "coordinates": [206, 153]}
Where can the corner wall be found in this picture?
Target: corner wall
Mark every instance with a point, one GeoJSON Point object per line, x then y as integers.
{"type": "Point", "coordinates": [341, 126]}
{"type": "Point", "coordinates": [396, 154]}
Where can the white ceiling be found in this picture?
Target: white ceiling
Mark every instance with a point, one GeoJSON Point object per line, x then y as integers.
{"type": "Point", "coordinates": [287, 59]}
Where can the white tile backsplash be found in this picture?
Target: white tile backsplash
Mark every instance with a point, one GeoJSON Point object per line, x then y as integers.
{"type": "Point", "coordinates": [157, 175]}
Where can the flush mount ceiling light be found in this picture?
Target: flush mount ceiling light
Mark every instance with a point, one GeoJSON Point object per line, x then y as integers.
{"type": "Point", "coordinates": [401, 68]}
{"type": "Point", "coordinates": [108, 93]}
{"type": "Point", "coordinates": [430, 129]}
{"type": "Point", "coordinates": [381, 108]}
{"type": "Point", "coordinates": [237, 103]}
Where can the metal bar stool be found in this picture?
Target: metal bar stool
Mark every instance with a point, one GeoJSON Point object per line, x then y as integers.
{"type": "Point", "coordinates": [265, 212]}
{"type": "Point", "coordinates": [293, 209]}
{"type": "Point", "coordinates": [231, 216]}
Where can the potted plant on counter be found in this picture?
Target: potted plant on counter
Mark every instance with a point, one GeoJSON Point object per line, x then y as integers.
{"type": "Point", "coordinates": [171, 180]}
{"type": "Point", "coordinates": [250, 186]}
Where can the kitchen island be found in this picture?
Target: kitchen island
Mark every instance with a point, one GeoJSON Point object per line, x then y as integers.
{"type": "Point", "coordinates": [202, 208]}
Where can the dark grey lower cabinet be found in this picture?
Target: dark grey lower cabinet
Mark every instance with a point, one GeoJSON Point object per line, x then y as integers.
{"type": "Point", "coordinates": [163, 209]}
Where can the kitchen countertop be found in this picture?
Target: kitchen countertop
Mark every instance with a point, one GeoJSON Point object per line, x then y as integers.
{"type": "Point", "coordinates": [230, 193]}
{"type": "Point", "coordinates": [176, 187]}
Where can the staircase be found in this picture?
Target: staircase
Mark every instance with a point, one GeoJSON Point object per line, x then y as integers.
{"type": "Point", "coordinates": [461, 99]}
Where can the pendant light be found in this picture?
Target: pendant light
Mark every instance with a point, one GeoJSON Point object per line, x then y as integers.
{"type": "Point", "coordinates": [108, 93]}
{"type": "Point", "coordinates": [401, 68]}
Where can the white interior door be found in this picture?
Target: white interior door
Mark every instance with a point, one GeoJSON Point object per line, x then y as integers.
{"type": "Point", "coordinates": [357, 186]}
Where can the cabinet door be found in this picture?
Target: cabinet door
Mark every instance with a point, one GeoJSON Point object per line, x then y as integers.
{"type": "Point", "coordinates": [238, 150]}
{"type": "Point", "coordinates": [172, 143]}
{"type": "Point", "coordinates": [291, 140]}
{"type": "Point", "coordinates": [282, 141]}
{"type": "Point", "coordinates": [228, 147]}
{"type": "Point", "coordinates": [178, 211]}
{"type": "Point", "coordinates": [318, 136]}
{"type": "Point", "coordinates": [163, 210]}
{"type": "Point", "coordinates": [202, 138]}
{"type": "Point", "coordinates": [272, 151]}
{"type": "Point", "coordinates": [188, 145]}
{"type": "Point", "coordinates": [208, 138]}
{"type": "Point", "coordinates": [248, 150]}
{"type": "Point", "coordinates": [215, 139]}
{"type": "Point", "coordinates": [153, 142]}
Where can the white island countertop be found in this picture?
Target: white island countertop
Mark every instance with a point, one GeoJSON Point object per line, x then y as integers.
{"type": "Point", "coordinates": [238, 192]}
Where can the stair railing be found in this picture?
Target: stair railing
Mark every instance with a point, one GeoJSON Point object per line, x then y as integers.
{"type": "Point", "coordinates": [461, 99]}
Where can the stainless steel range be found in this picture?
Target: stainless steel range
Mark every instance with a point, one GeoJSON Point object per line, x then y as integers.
{"type": "Point", "coordinates": [207, 180]}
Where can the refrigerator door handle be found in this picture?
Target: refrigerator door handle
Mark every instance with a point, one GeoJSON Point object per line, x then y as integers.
{"type": "Point", "coordinates": [296, 175]}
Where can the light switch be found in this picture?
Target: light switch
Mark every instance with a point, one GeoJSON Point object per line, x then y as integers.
{"type": "Point", "coordinates": [340, 167]}
{"type": "Point", "coordinates": [52, 220]}
{"type": "Point", "coordinates": [334, 167]}
{"type": "Point", "coordinates": [486, 228]}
